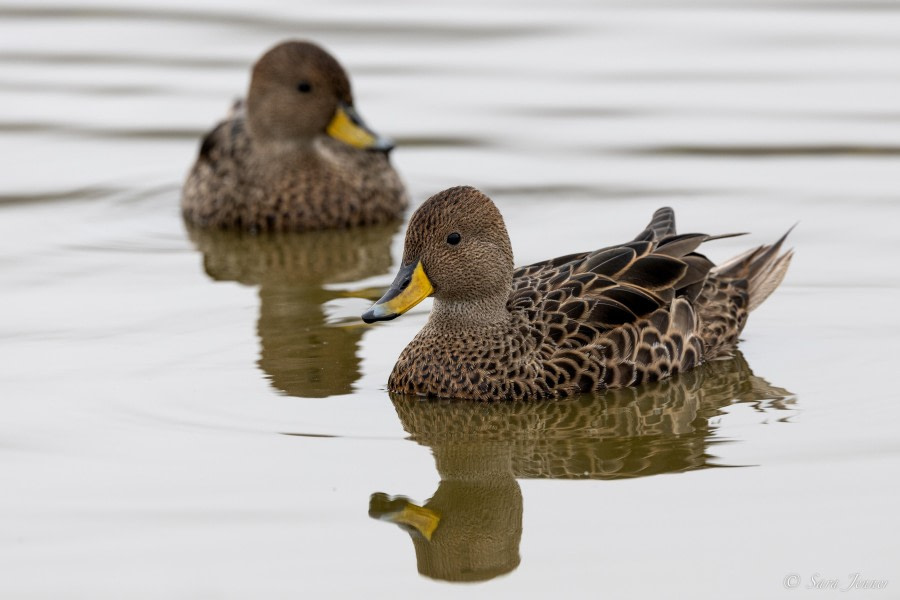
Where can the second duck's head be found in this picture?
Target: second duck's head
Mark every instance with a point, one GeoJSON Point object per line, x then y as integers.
{"type": "Point", "coordinates": [457, 249]}
{"type": "Point", "coordinates": [298, 92]}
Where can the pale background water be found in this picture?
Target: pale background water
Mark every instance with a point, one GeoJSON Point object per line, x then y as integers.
{"type": "Point", "coordinates": [148, 377]}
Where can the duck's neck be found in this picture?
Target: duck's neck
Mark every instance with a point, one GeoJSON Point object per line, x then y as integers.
{"type": "Point", "coordinates": [276, 146]}
{"type": "Point", "coordinates": [471, 315]}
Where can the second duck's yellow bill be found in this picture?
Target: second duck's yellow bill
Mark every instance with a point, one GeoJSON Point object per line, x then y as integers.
{"type": "Point", "coordinates": [410, 287]}
{"type": "Point", "coordinates": [347, 126]}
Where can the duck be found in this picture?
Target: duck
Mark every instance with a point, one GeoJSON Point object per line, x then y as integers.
{"type": "Point", "coordinates": [619, 316]}
{"type": "Point", "coordinates": [295, 156]}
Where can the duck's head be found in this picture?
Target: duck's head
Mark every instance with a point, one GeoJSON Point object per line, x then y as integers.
{"type": "Point", "coordinates": [298, 92]}
{"type": "Point", "coordinates": [457, 249]}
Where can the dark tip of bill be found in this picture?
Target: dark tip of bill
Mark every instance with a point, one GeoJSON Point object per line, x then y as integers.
{"type": "Point", "coordinates": [370, 317]}
{"type": "Point", "coordinates": [383, 144]}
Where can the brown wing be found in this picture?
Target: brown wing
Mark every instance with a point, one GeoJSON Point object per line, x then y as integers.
{"type": "Point", "coordinates": [620, 315]}
{"type": "Point", "coordinates": [616, 285]}
{"type": "Point", "coordinates": [222, 143]}
{"type": "Point", "coordinates": [662, 224]}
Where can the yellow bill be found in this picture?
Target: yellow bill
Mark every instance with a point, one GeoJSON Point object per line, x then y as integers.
{"type": "Point", "coordinates": [410, 287]}
{"type": "Point", "coordinates": [401, 511]}
{"type": "Point", "coordinates": [347, 126]}
{"type": "Point", "coordinates": [424, 520]}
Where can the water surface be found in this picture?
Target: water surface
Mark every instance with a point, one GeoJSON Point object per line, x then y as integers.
{"type": "Point", "coordinates": [188, 414]}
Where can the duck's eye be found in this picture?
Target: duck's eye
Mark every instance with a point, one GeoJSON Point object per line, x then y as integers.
{"type": "Point", "coordinates": [453, 239]}
{"type": "Point", "coordinates": [304, 86]}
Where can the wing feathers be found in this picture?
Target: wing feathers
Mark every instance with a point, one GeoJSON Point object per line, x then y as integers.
{"type": "Point", "coordinates": [661, 225]}
{"type": "Point", "coordinates": [654, 272]}
{"type": "Point", "coordinates": [651, 306]}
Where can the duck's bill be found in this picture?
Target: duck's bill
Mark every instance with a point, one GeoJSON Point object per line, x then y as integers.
{"type": "Point", "coordinates": [347, 126]}
{"type": "Point", "coordinates": [404, 513]}
{"type": "Point", "coordinates": [410, 287]}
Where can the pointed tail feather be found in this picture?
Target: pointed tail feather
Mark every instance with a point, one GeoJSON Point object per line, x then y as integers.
{"type": "Point", "coordinates": [765, 282]}
{"type": "Point", "coordinates": [762, 267]}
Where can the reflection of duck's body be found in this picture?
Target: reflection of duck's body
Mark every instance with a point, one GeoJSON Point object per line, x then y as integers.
{"type": "Point", "coordinates": [470, 528]}
{"type": "Point", "coordinates": [302, 354]}
{"type": "Point", "coordinates": [295, 156]}
{"type": "Point", "coordinates": [620, 316]}
{"type": "Point", "coordinates": [629, 432]}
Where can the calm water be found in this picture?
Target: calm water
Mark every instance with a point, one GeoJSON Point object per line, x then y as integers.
{"type": "Point", "coordinates": [187, 415]}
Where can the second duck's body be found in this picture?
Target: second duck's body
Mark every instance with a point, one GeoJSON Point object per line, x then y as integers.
{"type": "Point", "coordinates": [295, 156]}
{"type": "Point", "coordinates": [637, 312]}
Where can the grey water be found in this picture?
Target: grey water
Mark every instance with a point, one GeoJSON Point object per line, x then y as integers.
{"type": "Point", "coordinates": [200, 415]}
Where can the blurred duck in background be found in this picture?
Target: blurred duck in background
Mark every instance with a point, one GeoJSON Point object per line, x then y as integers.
{"type": "Point", "coordinates": [295, 156]}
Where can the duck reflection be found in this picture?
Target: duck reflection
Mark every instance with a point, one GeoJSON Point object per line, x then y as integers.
{"type": "Point", "coordinates": [470, 529]}
{"type": "Point", "coordinates": [302, 353]}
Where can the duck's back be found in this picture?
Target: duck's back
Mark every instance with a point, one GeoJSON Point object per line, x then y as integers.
{"type": "Point", "coordinates": [640, 311]}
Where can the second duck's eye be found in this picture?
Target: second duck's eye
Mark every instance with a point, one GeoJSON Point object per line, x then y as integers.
{"type": "Point", "coordinates": [304, 86]}
{"type": "Point", "coordinates": [453, 239]}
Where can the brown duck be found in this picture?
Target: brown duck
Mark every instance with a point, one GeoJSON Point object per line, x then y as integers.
{"type": "Point", "coordinates": [296, 156]}
{"type": "Point", "coordinates": [620, 316]}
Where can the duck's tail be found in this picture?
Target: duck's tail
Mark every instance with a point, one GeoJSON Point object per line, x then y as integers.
{"type": "Point", "coordinates": [735, 288]}
{"type": "Point", "coordinates": [763, 269]}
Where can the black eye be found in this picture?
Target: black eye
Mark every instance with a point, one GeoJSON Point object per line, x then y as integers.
{"type": "Point", "coordinates": [304, 87]}
{"type": "Point", "coordinates": [453, 239]}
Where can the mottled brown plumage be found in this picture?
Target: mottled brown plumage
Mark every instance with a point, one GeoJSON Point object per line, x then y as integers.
{"type": "Point", "coordinates": [274, 163]}
{"type": "Point", "coordinates": [620, 316]}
